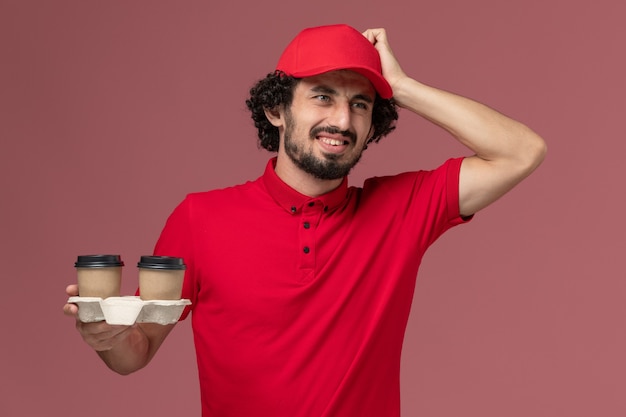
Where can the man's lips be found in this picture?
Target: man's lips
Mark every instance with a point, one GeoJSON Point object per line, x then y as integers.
{"type": "Point", "coordinates": [332, 141]}
{"type": "Point", "coordinates": [332, 144]}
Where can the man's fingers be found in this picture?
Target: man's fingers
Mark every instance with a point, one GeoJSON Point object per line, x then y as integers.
{"type": "Point", "coordinates": [70, 310]}
{"type": "Point", "coordinates": [71, 290]}
{"type": "Point", "coordinates": [375, 35]}
{"type": "Point", "coordinates": [369, 35]}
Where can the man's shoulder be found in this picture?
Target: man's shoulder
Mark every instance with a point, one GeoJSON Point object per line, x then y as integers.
{"type": "Point", "coordinates": [422, 181]}
{"type": "Point", "coordinates": [442, 170]}
{"type": "Point", "coordinates": [383, 182]}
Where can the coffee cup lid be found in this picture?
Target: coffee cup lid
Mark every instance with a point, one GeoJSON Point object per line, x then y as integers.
{"type": "Point", "coordinates": [98, 261]}
{"type": "Point", "coordinates": [161, 262]}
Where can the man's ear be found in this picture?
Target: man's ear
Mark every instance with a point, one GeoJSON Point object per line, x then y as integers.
{"type": "Point", "coordinates": [275, 116]}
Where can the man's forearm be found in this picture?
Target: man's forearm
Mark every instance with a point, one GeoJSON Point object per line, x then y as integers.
{"type": "Point", "coordinates": [488, 133]}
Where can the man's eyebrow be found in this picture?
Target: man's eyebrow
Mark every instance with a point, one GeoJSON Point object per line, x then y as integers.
{"type": "Point", "coordinates": [327, 90]}
{"type": "Point", "coordinates": [324, 89]}
{"type": "Point", "coordinates": [364, 97]}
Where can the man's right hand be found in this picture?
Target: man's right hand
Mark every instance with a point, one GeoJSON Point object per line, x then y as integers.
{"type": "Point", "coordinates": [98, 335]}
{"type": "Point", "coordinates": [125, 349]}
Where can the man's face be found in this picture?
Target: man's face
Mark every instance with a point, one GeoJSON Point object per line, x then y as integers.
{"type": "Point", "coordinates": [328, 123]}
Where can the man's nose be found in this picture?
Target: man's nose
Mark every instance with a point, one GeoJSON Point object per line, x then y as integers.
{"type": "Point", "coordinates": [340, 116]}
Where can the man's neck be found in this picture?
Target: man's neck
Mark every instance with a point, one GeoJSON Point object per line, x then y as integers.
{"type": "Point", "coordinates": [301, 181]}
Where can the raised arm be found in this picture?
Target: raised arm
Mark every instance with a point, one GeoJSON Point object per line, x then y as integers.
{"type": "Point", "coordinates": [124, 349]}
{"type": "Point", "coordinates": [506, 151]}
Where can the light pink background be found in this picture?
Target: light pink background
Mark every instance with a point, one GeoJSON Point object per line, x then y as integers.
{"type": "Point", "coordinates": [111, 111]}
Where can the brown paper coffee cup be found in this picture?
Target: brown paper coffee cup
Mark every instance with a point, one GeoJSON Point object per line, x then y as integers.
{"type": "Point", "coordinates": [161, 277]}
{"type": "Point", "coordinates": [99, 275]}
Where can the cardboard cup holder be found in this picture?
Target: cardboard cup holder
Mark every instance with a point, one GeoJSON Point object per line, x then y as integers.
{"type": "Point", "coordinates": [128, 310]}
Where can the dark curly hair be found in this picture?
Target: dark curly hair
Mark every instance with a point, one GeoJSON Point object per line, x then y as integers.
{"type": "Point", "coordinates": [277, 88]}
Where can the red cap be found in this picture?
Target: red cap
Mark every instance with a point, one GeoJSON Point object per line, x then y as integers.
{"type": "Point", "coordinates": [322, 49]}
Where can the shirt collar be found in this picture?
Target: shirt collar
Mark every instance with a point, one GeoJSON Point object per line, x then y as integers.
{"type": "Point", "coordinates": [292, 201]}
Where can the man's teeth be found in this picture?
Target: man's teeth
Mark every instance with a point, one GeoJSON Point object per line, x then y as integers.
{"type": "Point", "coordinates": [333, 142]}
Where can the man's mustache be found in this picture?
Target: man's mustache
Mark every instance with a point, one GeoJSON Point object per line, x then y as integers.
{"type": "Point", "coordinates": [333, 131]}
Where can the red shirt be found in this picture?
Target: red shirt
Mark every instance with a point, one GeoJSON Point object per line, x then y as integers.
{"type": "Point", "coordinates": [300, 304]}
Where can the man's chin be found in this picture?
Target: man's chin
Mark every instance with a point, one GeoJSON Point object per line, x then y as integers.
{"type": "Point", "coordinates": [329, 170]}
{"type": "Point", "coordinates": [323, 165]}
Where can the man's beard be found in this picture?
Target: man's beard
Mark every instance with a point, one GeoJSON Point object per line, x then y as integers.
{"type": "Point", "coordinates": [326, 168]}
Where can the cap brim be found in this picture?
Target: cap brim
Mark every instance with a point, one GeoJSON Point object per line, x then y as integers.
{"type": "Point", "coordinates": [380, 84]}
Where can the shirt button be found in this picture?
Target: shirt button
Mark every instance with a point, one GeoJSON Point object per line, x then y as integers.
{"type": "Point", "coordinates": [293, 209]}
{"type": "Point", "coordinates": [311, 204]}
{"type": "Point", "coordinates": [307, 225]}
{"type": "Point", "coordinates": [306, 249]}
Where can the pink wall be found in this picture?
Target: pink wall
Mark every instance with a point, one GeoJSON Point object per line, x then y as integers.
{"type": "Point", "coordinates": [111, 111]}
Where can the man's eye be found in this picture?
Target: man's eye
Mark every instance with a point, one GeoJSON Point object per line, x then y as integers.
{"type": "Point", "coordinates": [322, 97]}
{"type": "Point", "coordinates": [362, 106]}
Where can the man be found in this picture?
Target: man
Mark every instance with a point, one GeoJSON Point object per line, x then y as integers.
{"type": "Point", "coordinates": [300, 285]}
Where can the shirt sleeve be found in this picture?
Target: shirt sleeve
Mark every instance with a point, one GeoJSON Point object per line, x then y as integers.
{"type": "Point", "coordinates": [177, 240]}
{"type": "Point", "coordinates": [453, 173]}
{"type": "Point", "coordinates": [435, 199]}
